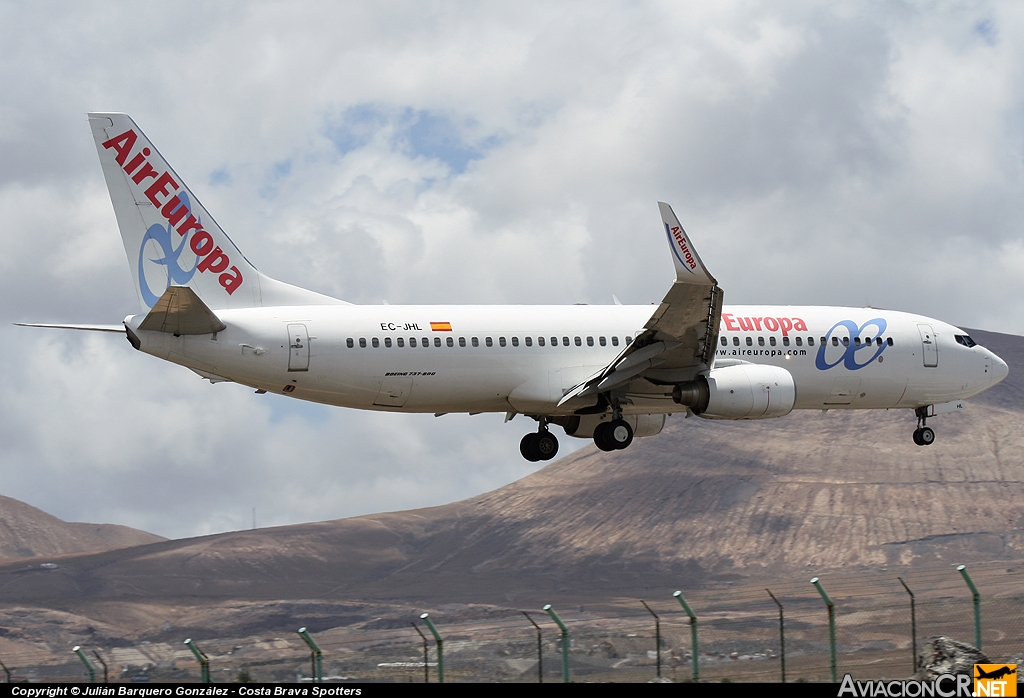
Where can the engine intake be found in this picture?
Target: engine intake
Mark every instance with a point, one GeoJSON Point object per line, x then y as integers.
{"type": "Point", "coordinates": [745, 391]}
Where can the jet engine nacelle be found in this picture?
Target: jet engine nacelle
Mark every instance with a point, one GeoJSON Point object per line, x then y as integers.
{"type": "Point", "coordinates": [744, 391]}
{"type": "Point", "coordinates": [642, 424]}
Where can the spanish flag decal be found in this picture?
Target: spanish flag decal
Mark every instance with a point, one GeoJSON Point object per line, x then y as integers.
{"type": "Point", "coordinates": [441, 326]}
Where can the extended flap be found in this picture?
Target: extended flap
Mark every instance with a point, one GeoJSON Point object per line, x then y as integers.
{"type": "Point", "coordinates": [180, 311]}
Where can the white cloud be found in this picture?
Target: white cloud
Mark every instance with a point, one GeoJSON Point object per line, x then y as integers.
{"type": "Point", "coordinates": [818, 153]}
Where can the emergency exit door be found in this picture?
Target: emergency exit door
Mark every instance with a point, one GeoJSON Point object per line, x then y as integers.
{"type": "Point", "coordinates": [930, 350]}
{"type": "Point", "coordinates": [298, 348]}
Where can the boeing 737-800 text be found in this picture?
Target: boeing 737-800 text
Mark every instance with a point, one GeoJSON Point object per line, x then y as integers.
{"type": "Point", "coordinates": [610, 373]}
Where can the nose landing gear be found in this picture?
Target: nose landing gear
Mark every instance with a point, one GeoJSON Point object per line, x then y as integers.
{"type": "Point", "coordinates": [541, 445]}
{"type": "Point", "coordinates": [923, 435]}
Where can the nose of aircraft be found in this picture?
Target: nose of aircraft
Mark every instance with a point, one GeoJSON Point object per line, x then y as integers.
{"type": "Point", "coordinates": [999, 370]}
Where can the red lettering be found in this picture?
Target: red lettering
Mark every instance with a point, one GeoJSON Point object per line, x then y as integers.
{"type": "Point", "coordinates": [122, 145]}
{"type": "Point", "coordinates": [160, 187]}
{"type": "Point", "coordinates": [136, 161]}
{"type": "Point", "coordinates": [201, 243]}
{"type": "Point", "coordinates": [190, 224]}
{"type": "Point", "coordinates": [146, 171]}
{"type": "Point", "coordinates": [786, 325]}
{"type": "Point", "coordinates": [799, 325]}
{"type": "Point", "coordinates": [174, 210]}
{"type": "Point", "coordinates": [231, 280]}
{"type": "Point", "coordinates": [746, 325]}
{"type": "Point", "coordinates": [730, 324]}
{"type": "Point", "coordinates": [771, 324]}
{"type": "Point", "coordinates": [216, 261]}
{"type": "Point", "coordinates": [757, 321]}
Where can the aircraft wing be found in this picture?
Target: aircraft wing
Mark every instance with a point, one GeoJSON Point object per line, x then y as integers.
{"type": "Point", "coordinates": [678, 342]}
{"type": "Point", "coordinates": [88, 328]}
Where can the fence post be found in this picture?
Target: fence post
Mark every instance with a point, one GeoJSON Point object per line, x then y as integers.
{"type": "Point", "coordinates": [565, 642]}
{"type": "Point", "coordinates": [204, 661]}
{"type": "Point", "coordinates": [104, 664]}
{"type": "Point", "coordinates": [831, 628]}
{"type": "Point", "coordinates": [782, 634]}
{"type": "Point", "coordinates": [693, 634]}
{"type": "Point", "coordinates": [85, 660]}
{"type": "Point", "coordinates": [913, 622]}
{"type": "Point", "coordinates": [657, 634]}
{"type": "Point", "coordinates": [962, 569]}
{"type": "Point", "coordinates": [440, 646]}
{"type": "Point", "coordinates": [540, 655]}
{"type": "Point", "coordinates": [426, 669]}
{"type": "Point", "coordinates": [316, 657]}
{"type": "Point", "coordinates": [6, 671]}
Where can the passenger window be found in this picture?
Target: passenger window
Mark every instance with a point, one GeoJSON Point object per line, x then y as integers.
{"type": "Point", "coordinates": [629, 340]}
{"type": "Point", "coordinates": [449, 341]}
{"type": "Point", "coordinates": [437, 341]}
{"type": "Point", "coordinates": [785, 341]}
{"type": "Point", "coordinates": [501, 341]}
{"type": "Point", "coordinates": [846, 341]}
{"type": "Point", "coordinates": [579, 342]}
{"type": "Point", "coordinates": [476, 342]}
{"type": "Point", "coordinates": [529, 341]}
{"type": "Point", "coordinates": [602, 341]}
{"type": "Point", "coordinates": [412, 342]}
{"type": "Point", "coordinates": [565, 341]}
{"type": "Point", "coordinates": [825, 341]}
{"type": "Point", "coordinates": [462, 341]}
{"type": "Point", "coordinates": [889, 341]}
{"type": "Point", "coordinates": [362, 342]}
{"type": "Point", "coordinates": [554, 341]}
{"type": "Point", "coordinates": [856, 341]}
{"type": "Point", "coordinates": [735, 341]}
{"type": "Point", "coordinates": [760, 341]}
{"type": "Point", "coordinates": [387, 342]}
{"type": "Point", "coordinates": [615, 341]}
{"type": "Point", "coordinates": [750, 341]}
{"type": "Point", "coordinates": [375, 342]}
{"type": "Point", "coordinates": [799, 341]}
{"type": "Point", "coordinates": [590, 341]}
{"type": "Point", "coordinates": [835, 341]}
{"type": "Point", "coordinates": [540, 341]}
{"type": "Point", "coordinates": [515, 341]}
{"type": "Point", "coordinates": [810, 341]}
{"type": "Point", "coordinates": [771, 340]}
{"type": "Point", "coordinates": [401, 342]}
{"type": "Point", "coordinates": [488, 341]}
{"type": "Point", "coordinates": [725, 341]}
{"type": "Point", "coordinates": [878, 341]}
{"type": "Point", "coordinates": [426, 342]}
{"type": "Point", "coordinates": [349, 343]}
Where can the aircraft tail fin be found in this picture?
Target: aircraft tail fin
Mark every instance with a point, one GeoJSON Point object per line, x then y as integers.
{"type": "Point", "coordinates": [170, 239]}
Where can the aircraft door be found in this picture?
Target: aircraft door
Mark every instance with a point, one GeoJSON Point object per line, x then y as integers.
{"type": "Point", "coordinates": [929, 348]}
{"type": "Point", "coordinates": [298, 348]}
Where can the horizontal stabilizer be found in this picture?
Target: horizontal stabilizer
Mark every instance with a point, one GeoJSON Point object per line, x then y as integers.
{"type": "Point", "coordinates": [180, 311]}
{"type": "Point", "coordinates": [89, 328]}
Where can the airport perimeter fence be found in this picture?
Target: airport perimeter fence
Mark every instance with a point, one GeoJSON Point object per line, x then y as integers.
{"type": "Point", "coordinates": [737, 629]}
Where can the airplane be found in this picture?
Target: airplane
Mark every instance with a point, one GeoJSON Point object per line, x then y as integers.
{"type": "Point", "coordinates": [608, 373]}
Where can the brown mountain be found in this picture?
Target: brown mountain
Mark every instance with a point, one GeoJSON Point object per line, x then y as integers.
{"type": "Point", "coordinates": [29, 532]}
{"type": "Point", "coordinates": [700, 502]}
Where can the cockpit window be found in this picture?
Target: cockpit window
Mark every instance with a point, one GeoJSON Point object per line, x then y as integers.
{"type": "Point", "coordinates": [965, 340]}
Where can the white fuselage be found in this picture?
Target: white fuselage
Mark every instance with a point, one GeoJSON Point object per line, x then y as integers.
{"type": "Point", "coordinates": [523, 358]}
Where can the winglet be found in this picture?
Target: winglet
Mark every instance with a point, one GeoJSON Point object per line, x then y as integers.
{"type": "Point", "coordinates": [689, 268]}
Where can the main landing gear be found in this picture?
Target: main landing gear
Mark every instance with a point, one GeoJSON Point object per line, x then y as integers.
{"type": "Point", "coordinates": [539, 446]}
{"type": "Point", "coordinates": [613, 435]}
{"type": "Point", "coordinates": [923, 435]}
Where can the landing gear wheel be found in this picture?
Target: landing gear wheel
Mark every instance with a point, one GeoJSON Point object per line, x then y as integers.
{"type": "Point", "coordinates": [619, 433]}
{"type": "Point", "coordinates": [602, 439]}
{"type": "Point", "coordinates": [917, 436]}
{"type": "Point", "coordinates": [528, 447]}
{"type": "Point", "coordinates": [545, 445]}
{"type": "Point", "coordinates": [926, 437]}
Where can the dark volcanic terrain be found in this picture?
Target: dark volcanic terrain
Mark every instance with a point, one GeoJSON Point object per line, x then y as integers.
{"type": "Point", "coordinates": [702, 502]}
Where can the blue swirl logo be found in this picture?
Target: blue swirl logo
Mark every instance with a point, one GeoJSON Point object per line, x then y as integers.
{"type": "Point", "coordinates": [849, 357]}
{"type": "Point", "coordinates": [170, 260]}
